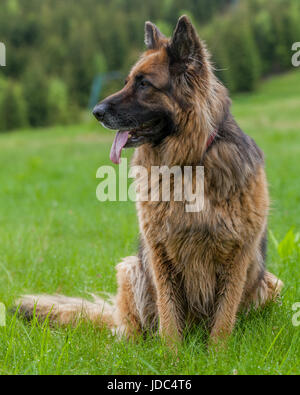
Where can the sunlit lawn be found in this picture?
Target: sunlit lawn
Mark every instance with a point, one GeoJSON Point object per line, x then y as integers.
{"type": "Point", "coordinates": [56, 237]}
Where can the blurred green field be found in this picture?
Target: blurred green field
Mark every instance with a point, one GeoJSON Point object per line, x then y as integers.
{"type": "Point", "coordinates": [56, 237]}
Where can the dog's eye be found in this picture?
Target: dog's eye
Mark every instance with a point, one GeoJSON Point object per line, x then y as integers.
{"type": "Point", "coordinates": [144, 83]}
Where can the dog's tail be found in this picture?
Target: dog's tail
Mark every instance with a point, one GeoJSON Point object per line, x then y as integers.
{"type": "Point", "coordinates": [64, 310]}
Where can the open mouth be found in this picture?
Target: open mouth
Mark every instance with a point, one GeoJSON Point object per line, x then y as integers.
{"type": "Point", "coordinates": [131, 138]}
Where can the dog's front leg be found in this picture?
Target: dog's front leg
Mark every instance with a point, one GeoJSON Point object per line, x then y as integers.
{"type": "Point", "coordinates": [170, 298]}
{"type": "Point", "coordinates": [231, 293]}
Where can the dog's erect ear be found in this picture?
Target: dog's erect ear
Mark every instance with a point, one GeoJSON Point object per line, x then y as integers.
{"type": "Point", "coordinates": [185, 44]}
{"type": "Point", "coordinates": [153, 36]}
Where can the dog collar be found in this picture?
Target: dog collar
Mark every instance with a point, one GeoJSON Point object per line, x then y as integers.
{"type": "Point", "coordinates": [210, 140]}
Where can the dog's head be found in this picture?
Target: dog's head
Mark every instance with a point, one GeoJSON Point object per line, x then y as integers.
{"type": "Point", "coordinates": [158, 88]}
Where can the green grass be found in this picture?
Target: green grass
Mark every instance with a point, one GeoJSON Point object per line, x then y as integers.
{"type": "Point", "coordinates": [56, 237]}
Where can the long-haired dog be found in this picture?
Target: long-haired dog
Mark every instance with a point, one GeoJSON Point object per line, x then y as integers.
{"type": "Point", "coordinates": [191, 266]}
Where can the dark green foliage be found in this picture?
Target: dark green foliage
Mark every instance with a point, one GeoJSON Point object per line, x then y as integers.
{"type": "Point", "coordinates": [253, 39]}
{"type": "Point", "coordinates": [13, 111]}
{"type": "Point", "coordinates": [242, 56]}
{"type": "Point", "coordinates": [58, 102]}
{"type": "Point", "coordinates": [35, 85]}
{"type": "Point", "coordinates": [73, 41]}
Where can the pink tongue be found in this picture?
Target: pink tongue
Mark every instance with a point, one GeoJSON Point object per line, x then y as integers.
{"type": "Point", "coordinates": [118, 144]}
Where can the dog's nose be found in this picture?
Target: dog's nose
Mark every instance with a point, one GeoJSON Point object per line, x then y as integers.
{"type": "Point", "coordinates": [99, 111]}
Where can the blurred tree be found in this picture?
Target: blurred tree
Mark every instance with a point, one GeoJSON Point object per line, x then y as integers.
{"type": "Point", "coordinates": [58, 103]}
{"type": "Point", "coordinates": [242, 56]}
{"type": "Point", "coordinates": [35, 87]}
{"type": "Point", "coordinates": [13, 111]}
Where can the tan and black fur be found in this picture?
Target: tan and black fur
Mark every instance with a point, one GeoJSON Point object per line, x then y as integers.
{"type": "Point", "coordinates": [191, 266]}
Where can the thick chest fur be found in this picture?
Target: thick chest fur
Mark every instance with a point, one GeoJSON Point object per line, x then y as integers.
{"type": "Point", "coordinates": [201, 245]}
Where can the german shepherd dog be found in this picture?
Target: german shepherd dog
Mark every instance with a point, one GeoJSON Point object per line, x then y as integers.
{"type": "Point", "coordinates": [191, 267]}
